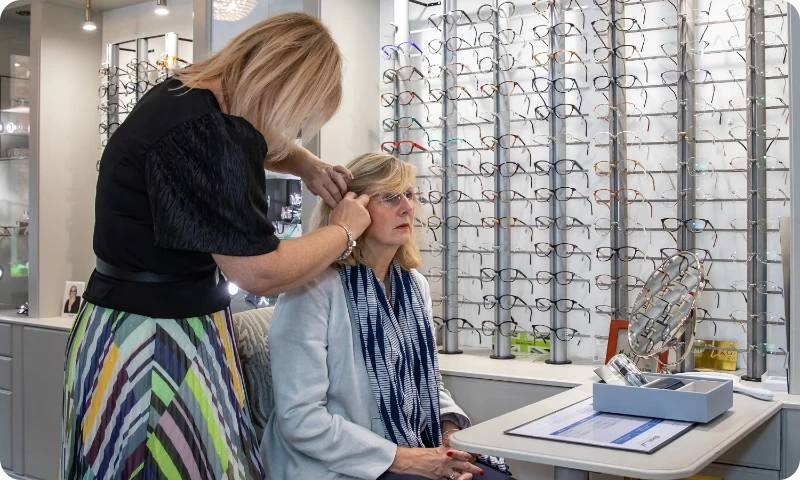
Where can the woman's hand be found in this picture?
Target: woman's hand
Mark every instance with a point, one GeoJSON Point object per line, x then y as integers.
{"type": "Point", "coordinates": [434, 463]}
{"type": "Point", "coordinates": [448, 429]}
{"type": "Point", "coordinates": [352, 214]}
{"type": "Point", "coordinates": [327, 181]}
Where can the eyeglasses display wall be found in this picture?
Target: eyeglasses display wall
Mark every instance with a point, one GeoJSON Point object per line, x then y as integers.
{"type": "Point", "coordinates": [131, 69]}
{"type": "Point", "coordinates": [567, 147]}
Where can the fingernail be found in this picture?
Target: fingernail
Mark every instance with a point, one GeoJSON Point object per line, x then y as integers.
{"type": "Point", "coordinates": [449, 454]}
{"type": "Point", "coordinates": [481, 473]}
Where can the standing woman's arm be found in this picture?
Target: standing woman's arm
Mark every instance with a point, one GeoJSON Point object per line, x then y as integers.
{"type": "Point", "coordinates": [299, 260]}
{"type": "Point", "coordinates": [205, 183]}
{"type": "Point", "coordinates": [324, 180]}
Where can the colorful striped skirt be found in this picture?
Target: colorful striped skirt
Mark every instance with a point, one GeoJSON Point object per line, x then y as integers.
{"type": "Point", "coordinates": [149, 398]}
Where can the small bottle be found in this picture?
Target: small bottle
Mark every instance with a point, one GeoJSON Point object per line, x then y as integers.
{"type": "Point", "coordinates": [628, 370]}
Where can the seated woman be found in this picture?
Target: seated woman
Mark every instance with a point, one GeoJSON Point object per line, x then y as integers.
{"type": "Point", "coordinates": [355, 372]}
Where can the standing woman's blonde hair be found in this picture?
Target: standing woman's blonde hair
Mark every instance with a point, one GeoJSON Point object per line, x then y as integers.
{"type": "Point", "coordinates": [283, 75]}
{"type": "Point", "coordinates": [375, 173]}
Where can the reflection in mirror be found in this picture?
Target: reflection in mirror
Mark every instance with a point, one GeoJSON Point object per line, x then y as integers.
{"type": "Point", "coordinates": [663, 310]}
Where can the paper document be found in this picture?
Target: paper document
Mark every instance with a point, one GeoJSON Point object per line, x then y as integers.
{"type": "Point", "coordinates": [580, 423]}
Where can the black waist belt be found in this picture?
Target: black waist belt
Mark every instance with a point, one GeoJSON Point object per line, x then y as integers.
{"type": "Point", "coordinates": [144, 277]}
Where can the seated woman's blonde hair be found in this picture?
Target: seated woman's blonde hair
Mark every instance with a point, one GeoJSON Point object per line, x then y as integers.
{"type": "Point", "coordinates": [283, 75]}
{"type": "Point", "coordinates": [375, 173]}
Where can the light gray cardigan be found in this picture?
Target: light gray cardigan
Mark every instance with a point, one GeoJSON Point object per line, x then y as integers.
{"type": "Point", "coordinates": [326, 424]}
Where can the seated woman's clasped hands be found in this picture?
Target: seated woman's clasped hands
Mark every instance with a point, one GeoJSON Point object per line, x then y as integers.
{"type": "Point", "coordinates": [358, 393]}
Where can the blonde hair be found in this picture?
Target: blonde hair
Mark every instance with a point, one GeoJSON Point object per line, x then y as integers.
{"type": "Point", "coordinates": [283, 75]}
{"type": "Point", "coordinates": [375, 173]}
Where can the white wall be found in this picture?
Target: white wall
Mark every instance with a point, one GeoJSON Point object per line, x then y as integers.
{"type": "Point", "coordinates": [355, 128]}
{"type": "Point", "coordinates": [64, 151]}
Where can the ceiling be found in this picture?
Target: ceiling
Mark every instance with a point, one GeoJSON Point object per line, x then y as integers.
{"type": "Point", "coordinates": [97, 5]}
{"type": "Point", "coordinates": [10, 15]}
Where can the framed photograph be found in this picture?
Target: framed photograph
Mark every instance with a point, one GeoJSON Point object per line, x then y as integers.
{"type": "Point", "coordinates": [73, 295]}
{"type": "Point", "coordinates": [618, 343]}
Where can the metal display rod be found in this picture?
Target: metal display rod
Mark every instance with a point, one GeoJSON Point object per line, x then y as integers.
{"type": "Point", "coordinates": [450, 258]}
{"type": "Point", "coordinates": [756, 179]}
{"type": "Point", "coordinates": [686, 148]}
{"type": "Point", "coordinates": [112, 94]}
{"type": "Point", "coordinates": [793, 337]}
{"type": "Point", "coordinates": [618, 153]}
{"type": "Point", "coordinates": [558, 150]}
{"type": "Point", "coordinates": [502, 210]}
{"type": "Point", "coordinates": [401, 34]}
{"type": "Point", "coordinates": [142, 49]}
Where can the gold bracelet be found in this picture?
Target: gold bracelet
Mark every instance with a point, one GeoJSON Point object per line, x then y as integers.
{"type": "Point", "coordinates": [444, 434]}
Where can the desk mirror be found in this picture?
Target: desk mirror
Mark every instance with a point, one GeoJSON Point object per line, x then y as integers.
{"type": "Point", "coordinates": [665, 307]}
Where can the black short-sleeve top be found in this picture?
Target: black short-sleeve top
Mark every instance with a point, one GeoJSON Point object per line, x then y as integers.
{"type": "Point", "coordinates": [178, 181]}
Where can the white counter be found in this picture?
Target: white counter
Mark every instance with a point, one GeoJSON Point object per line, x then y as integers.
{"type": "Point", "coordinates": [56, 323]}
{"type": "Point", "coordinates": [684, 457]}
{"type": "Point", "coordinates": [475, 363]}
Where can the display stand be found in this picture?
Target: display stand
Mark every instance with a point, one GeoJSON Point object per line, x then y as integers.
{"type": "Point", "coordinates": [502, 210]}
{"type": "Point", "coordinates": [558, 150]}
{"type": "Point", "coordinates": [686, 147]}
{"type": "Point", "coordinates": [756, 179]}
{"type": "Point", "coordinates": [449, 158]}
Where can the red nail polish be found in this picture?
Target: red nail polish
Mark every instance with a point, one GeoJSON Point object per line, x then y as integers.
{"type": "Point", "coordinates": [449, 454]}
{"type": "Point", "coordinates": [481, 473]}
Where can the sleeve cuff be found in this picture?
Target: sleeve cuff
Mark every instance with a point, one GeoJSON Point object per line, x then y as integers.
{"type": "Point", "coordinates": [382, 462]}
{"type": "Point", "coordinates": [458, 418]}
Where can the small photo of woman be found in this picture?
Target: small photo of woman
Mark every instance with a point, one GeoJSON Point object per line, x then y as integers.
{"type": "Point", "coordinates": [72, 298]}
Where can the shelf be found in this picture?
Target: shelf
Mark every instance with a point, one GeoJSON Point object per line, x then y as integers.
{"type": "Point", "coordinates": [3, 134]}
{"type": "Point", "coordinates": [10, 159]}
{"type": "Point", "coordinates": [25, 110]}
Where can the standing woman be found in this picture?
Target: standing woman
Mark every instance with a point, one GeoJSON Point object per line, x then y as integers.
{"type": "Point", "coordinates": [153, 386]}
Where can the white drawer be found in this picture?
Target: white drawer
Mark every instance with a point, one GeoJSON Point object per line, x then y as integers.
{"type": "Point", "coordinates": [730, 472]}
{"type": "Point", "coordinates": [5, 373]}
{"type": "Point", "coordinates": [5, 339]}
{"type": "Point", "coordinates": [760, 449]}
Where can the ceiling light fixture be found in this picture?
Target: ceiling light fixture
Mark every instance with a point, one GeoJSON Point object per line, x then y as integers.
{"type": "Point", "coordinates": [232, 10]}
{"type": "Point", "coordinates": [89, 25]}
{"type": "Point", "coordinates": [161, 7]}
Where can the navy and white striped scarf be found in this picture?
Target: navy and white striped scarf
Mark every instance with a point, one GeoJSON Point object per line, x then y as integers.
{"type": "Point", "coordinates": [399, 352]}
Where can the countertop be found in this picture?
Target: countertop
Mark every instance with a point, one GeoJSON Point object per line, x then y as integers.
{"type": "Point", "coordinates": [475, 362]}
{"type": "Point", "coordinates": [56, 323]}
{"type": "Point", "coordinates": [679, 459]}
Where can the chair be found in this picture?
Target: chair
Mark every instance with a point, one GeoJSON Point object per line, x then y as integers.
{"type": "Point", "coordinates": [250, 330]}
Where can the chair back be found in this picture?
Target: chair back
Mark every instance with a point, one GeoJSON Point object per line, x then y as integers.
{"type": "Point", "coordinates": [250, 329]}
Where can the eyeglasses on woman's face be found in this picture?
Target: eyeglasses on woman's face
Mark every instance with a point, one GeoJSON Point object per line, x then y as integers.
{"type": "Point", "coordinates": [393, 200]}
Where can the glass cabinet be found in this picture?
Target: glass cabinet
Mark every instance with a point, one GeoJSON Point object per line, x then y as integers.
{"type": "Point", "coordinates": [14, 184]}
